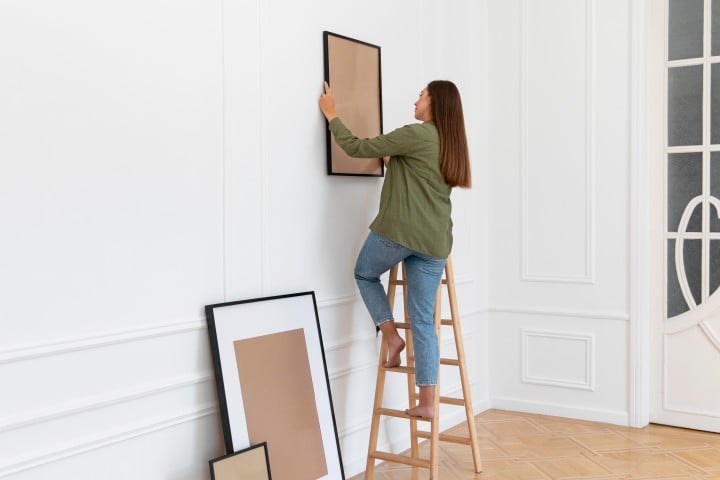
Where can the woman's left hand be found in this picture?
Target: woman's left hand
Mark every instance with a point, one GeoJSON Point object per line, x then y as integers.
{"type": "Point", "coordinates": [327, 103]}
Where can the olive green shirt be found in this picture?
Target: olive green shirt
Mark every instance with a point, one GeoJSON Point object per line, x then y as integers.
{"type": "Point", "coordinates": [415, 200]}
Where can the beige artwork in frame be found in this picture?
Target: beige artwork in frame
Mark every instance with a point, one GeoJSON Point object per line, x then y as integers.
{"type": "Point", "coordinates": [251, 463]}
{"type": "Point", "coordinates": [352, 69]}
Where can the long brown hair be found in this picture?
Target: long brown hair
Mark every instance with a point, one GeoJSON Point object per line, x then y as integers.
{"type": "Point", "coordinates": [447, 113]}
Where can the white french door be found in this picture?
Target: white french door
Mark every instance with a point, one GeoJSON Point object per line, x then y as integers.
{"type": "Point", "coordinates": [685, 76]}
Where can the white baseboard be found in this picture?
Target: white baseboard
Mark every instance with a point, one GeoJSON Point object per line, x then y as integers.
{"type": "Point", "coordinates": [481, 406]}
{"type": "Point", "coordinates": [615, 417]}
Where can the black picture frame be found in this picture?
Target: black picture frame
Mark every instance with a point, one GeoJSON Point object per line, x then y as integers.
{"type": "Point", "coordinates": [251, 390]}
{"type": "Point", "coordinates": [245, 461]}
{"type": "Point", "coordinates": [353, 70]}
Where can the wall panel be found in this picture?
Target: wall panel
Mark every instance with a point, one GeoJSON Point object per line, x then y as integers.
{"type": "Point", "coordinates": [557, 150]}
{"type": "Point", "coordinates": [559, 316]}
{"type": "Point", "coordinates": [79, 399]}
{"type": "Point", "coordinates": [110, 191]}
{"type": "Point", "coordinates": [558, 359]}
{"type": "Point", "coordinates": [161, 156]}
{"type": "Point", "coordinates": [565, 366]}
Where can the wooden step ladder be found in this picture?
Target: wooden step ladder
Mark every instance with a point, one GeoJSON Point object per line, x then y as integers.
{"type": "Point", "coordinates": [433, 435]}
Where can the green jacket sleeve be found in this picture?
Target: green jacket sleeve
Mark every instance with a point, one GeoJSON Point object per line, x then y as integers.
{"type": "Point", "coordinates": [402, 141]}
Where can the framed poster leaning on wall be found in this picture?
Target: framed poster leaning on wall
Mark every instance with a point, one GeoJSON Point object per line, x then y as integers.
{"type": "Point", "coordinates": [273, 385]}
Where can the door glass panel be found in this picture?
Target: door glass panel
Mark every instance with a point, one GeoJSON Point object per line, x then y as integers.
{"type": "Point", "coordinates": [715, 103]}
{"type": "Point", "coordinates": [692, 250]}
{"type": "Point", "coordinates": [685, 105]}
{"type": "Point", "coordinates": [684, 184]}
{"type": "Point", "coordinates": [714, 265]}
{"type": "Point", "coordinates": [692, 259]}
{"type": "Point", "coordinates": [685, 32]}
{"type": "Point", "coordinates": [675, 301]}
{"type": "Point", "coordinates": [715, 32]}
{"type": "Point", "coordinates": [693, 174]}
{"type": "Point", "coordinates": [714, 220]}
{"type": "Point", "coordinates": [714, 189]}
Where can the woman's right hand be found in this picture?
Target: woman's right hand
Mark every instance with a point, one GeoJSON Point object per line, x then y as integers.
{"type": "Point", "coordinates": [327, 103]}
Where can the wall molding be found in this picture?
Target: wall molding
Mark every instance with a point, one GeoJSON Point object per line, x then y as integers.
{"type": "Point", "coordinates": [29, 351]}
{"type": "Point", "coordinates": [466, 278]}
{"type": "Point", "coordinates": [52, 455]}
{"type": "Point", "coordinates": [350, 342]}
{"type": "Point", "coordinates": [446, 341]}
{"type": "Point", "coordinates": [85, 342]}
{"type": "Point", "coordinates": [100, 401]}
{"type": "Point", "coordinates": [351, 298]}
{"type": "Point", "coordinates": [587, 338]}
{"type": "Point", "coordinates": [526, 275]}
{"type": "Point", "coordinates": [331, 302]}
{"type": "Point", "coordinates": [344, 372]}
{"type": "Point", "coordinates": [373, 338]}
{"type": "Point", "coordinates": [224, 180]}
{"type": "Point", "coordinates": [587, 314]}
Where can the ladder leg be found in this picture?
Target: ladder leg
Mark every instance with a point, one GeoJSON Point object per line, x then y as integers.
{"type": "Point", "coordinates": [375, 424]}
{"type": "Point", "coordinates": [410, 356]}
{"type": "Point", "coordinates": [379, 389]}
{"type": "Point", "coordinates": [435, 422]}
{"type": "Point", "coordinates": [464, 380]}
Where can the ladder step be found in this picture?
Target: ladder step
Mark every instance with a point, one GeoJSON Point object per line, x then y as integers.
{"type": "Point", "coordinates": [404, 282]}
{"type": "Point", "coordinates": [449, 361]}
{"type": "Point", "coordinates": [446, 438]}
{"type": "Point", "coordinates": [400, 369]}
{"type": "Point", "coordinates": [406, 326]}
{"type": "Point", "coordinates": [443, 361]}
{"type": "Point", "coordinates": [445, 400]}
{"type": "Point", "coordinates": [389, 412]}
{"type": "Point", "coordinates": [453, 401]}
{"type": "Point", "coordinates": [405, 460]}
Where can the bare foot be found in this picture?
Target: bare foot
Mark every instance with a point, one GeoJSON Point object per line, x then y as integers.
{"type": "Point", "coordinates": [395, 346]}
{"type": "Point", "coordinates": [421, 411]}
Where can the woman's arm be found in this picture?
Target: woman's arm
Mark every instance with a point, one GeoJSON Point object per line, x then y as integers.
{"type": "Point", "coordinates": [402, 141]}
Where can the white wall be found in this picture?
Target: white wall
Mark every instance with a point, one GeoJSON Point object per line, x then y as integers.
{"type": "Point", "coordinates": [159, 156]}
{"type": "Point", "coordinates": [559, 104]}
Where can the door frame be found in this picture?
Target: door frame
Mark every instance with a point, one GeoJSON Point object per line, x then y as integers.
{"type": "Point", "coordinates": [643, 40]}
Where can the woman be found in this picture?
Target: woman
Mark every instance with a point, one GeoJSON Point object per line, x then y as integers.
{"type": "Point", "coordinates": [413, 224]}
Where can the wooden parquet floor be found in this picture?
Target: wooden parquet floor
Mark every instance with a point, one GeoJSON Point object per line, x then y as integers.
{"type": "Point", "coordinates": [521, 446]}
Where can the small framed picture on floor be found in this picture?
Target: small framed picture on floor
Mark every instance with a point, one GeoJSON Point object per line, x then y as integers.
{"type": "Point", "coordinates": [248, 464]}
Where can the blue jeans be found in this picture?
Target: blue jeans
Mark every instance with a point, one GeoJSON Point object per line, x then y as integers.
{"type": "Point", "coordinates": [424, 272]}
